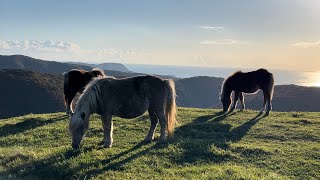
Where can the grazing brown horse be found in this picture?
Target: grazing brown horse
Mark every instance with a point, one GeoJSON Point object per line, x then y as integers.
{"type": "Point", "coordinates": [75, 81]}
{"type": "Point", "coordinates": [125, 98]}
{"type": "Point", "coordinates": [249, 82]}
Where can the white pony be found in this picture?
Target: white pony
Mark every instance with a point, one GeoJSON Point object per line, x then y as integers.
{"type": "Point", "coordinates": [125, 98]}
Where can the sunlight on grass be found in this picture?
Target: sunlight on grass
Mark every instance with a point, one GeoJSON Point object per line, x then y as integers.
{"type": "Point", "coordinates": [206, 145]}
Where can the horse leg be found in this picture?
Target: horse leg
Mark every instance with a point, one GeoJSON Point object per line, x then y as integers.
{"type": "Point", "coordinates": [265, 99]}
{"type": "Point", "coordinates": [154, 123]}
{"type": "Point", "coordinates": [269, 105]}
{"type": "Point", "coordinates": [69, 98]}
{"type": "Point", "coordinates": [241, 97]}
{"type": "Point", "coordinates": [163, 124]}
{"type": "Point", "coordinates": [235, 100]}
{"type": "Point", "coordinates": [107, 130]}
{"type": "Point", "coordinates": [68, 104]}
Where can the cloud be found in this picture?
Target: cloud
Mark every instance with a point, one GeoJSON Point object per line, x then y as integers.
{"type": "Point", "coordinates": [224, 42]}
{"type": "Point", "coordinates": [214, 28]}
{"type": "Point", "coordinates": [53, 46]}
{"type": "Point", "coordinates": [58, 50]}
{"type": "Point", "coordinates": [307, 44]}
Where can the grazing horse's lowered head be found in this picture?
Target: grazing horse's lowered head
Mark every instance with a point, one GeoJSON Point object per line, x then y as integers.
{"type": "Point", "coordinates": [75, 81]}
{"type": "Point", "coordinates": [249, 82]}
{"type": "Point", "coordinates": [86, 105]}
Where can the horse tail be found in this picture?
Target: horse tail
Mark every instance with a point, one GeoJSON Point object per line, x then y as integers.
{"type": "Point", "coordinates": [171, 109]}
{"type": "Point", "coordinates": [271, 86]}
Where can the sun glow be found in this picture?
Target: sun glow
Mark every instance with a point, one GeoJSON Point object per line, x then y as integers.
{"type": "Point", "coordinates": [314, 79]}
{"type": "Point", "coordinates": [317, 83]}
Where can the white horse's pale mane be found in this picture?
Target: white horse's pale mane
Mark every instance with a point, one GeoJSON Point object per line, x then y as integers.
{"type": "Point", "coordinates": [88, 102]}
{"type": "Point", "coordinates": [90, 96]}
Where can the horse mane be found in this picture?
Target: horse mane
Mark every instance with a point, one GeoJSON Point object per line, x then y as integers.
{"type": "Point", "coordinates": [89, 100]}
{"type": "Point", "coordinates": [225, 82]}
{"type": "Point", "coordinates": [99, 71]}
{"type": "Point", "coordinates": [90, 95]}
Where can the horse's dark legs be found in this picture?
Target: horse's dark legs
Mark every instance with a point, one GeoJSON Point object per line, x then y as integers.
{"type": "Point", "coordinates": [266, 99]}
{"type": "Point", "coordinates": [241, 97]}
{"type": "Point", "coordinates": [68, 101]}
{"type": "Point", "coordinates": [107, 130]}
{"type": "Point", "coordinates": [235, 100]}
{"type": "Point", "coordinates": [154, 122]}
{"type": "Point", "coordinates": [69, 98]}
{"type": "Point", "coordinates": [269, 105]}
{"type": "Point", "coordinates": [267, 96]}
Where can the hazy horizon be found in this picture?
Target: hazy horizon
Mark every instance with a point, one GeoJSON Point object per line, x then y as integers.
{"type": "Point", "coordinates": [282, 76]}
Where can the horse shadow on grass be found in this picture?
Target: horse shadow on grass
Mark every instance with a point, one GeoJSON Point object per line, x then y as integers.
{"type": "Point", "coordinates": [196, 139]}
{"type": "Point", "coordinates": [57, 166]}
{"type": "Point", "coordinates": [217, 117]}
{"type": "Point", "coordinates": [113, 163]}
{"type": "Point", "coordinates": [27, 124]}
{"type": "Point", "coordinates": [205, 133]}
{"type": "Point", "coordinates": [51, 167]}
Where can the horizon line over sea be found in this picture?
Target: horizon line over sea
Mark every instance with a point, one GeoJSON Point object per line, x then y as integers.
{"type": "Point", "coordinates": [282, 77]}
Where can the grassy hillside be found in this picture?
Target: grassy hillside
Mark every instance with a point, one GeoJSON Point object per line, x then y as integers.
{"type": "Point", "coordinates": [206, 146]}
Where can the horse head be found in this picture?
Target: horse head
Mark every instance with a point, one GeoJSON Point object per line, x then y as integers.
{"type": "Point", "coordinates": [77, 127]}
{"type": "Point", "coordinates": [226, 102]}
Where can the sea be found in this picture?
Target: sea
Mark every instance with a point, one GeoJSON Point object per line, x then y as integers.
{"type": "Point", "coordinates": [282, 77]}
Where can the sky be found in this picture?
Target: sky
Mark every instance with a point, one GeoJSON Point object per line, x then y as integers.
{"type": "Point", "coordinates": [278, 34]}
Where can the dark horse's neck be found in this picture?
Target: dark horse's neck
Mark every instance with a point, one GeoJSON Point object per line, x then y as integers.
{"type": "Point", "coordinates": [227, 88]}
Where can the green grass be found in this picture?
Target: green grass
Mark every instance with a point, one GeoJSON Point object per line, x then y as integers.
{"type": "Point", "coordinates": [206, 145]}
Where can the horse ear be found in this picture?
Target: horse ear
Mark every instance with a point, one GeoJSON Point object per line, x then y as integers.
{"type": "Point", "coordinates": [83, 115]}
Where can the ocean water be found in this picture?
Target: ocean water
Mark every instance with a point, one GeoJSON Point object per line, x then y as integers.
{"type": "Point", "coordinates": [302, 78]}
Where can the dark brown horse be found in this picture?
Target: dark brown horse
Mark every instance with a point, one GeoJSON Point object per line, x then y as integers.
{"type": "Point", "coordinates": [75, 81]}
{"type": "Point", "coordinates": [249, 82]}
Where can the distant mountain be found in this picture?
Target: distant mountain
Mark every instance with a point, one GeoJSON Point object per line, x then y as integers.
{"type": "Point", "coordinates": [105, 66]}
{"type": "Point", "coordinates": [113, 67]}
{"type": "Point", "coordinates": [37, 65]}
{"type": "Point", "coordinates": [201, 91]}
{"type": "Point", "coordinates": [24, 92]}
{"type": "Point", "coordinates": [53, 67]}
{"type": "Point", "coordinates": [38, 88]}
{"type": "Point", "coordinates": [290, 98]}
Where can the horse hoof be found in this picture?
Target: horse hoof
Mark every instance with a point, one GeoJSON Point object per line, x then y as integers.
{"type": "Point", "coordinates": [147, 140]}
{"type": "Point", "coordinates": [162, 140]}
{"type": "Point", "coordinates": [107, 145]}
{"type": "Point", "coordinates": [101, 143]}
